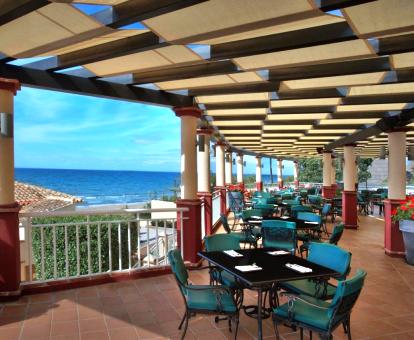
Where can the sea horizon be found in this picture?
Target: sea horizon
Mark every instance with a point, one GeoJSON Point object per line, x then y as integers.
{"type": "Point", "coordinates": [96, 187]}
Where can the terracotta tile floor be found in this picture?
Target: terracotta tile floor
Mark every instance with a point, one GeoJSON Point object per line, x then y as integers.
{"type": "Point", "coordinates": [151, 308]}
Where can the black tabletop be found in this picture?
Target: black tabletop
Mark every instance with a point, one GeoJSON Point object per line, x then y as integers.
{"type": "Point", "coordinates": [300, 224]}
{"type": "Point", "coordinates": [274, 269]}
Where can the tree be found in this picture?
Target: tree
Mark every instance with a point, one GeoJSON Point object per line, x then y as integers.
{"type": "Point", "coordinates": [363, 170]}
{"type": "Point", "coordinates": [310, 170]}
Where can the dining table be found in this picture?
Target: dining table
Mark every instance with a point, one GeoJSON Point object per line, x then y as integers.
{"type": "Point", "coordinates": [270, 267]}
{"type": "Point", "coordinates": [300, 224]}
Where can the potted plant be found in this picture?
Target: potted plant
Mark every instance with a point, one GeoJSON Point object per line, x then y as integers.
{"type": "Point", "coordinates": [404, 214]}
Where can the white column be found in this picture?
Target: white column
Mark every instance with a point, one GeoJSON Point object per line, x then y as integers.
{"type": "Point", "coordinates": [295, 171]}
{"type": "Point", "coordinates": [189, 117]}
{"type": "Point", "coordinates": [220, 165]}
{"type": "Point", "coordinates": [229, 167]}
{"type": "Point", "coordinates": [239, 168]}
{"type": "Point", "coordinates": [396, 164]}
{"type": "Point", "coordinates": [327, 171]}
{"type": "Point", "coordinates": [333, 174]}
{"type": "Point", "coordinates": [203, 159]}
{"type": "Point", "coordinates": [7, 148]}
{"type": "Point", "coordinates": [349, 168]}
{"type": "Point", "coordinates": [280, 170]}
{"type": "Point", "coordinates": [258, 169]}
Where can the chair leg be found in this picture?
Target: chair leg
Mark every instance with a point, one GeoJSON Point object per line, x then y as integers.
{"type": "Point", "coordinates": [276, 330]}
{"type": "Point", "coordinates": [301, 333]}
{"type": "Point", "coordinates": [348, 326]}
{"type": "Point", "coordinates": [310, 335]}
{"type": "Point", "coordinates": [229, 320]}
{"type": "Point", "coordinates": [237, 327]}
{"type": "Point", "coordinates": [185, 325]}
{"type": "Point", "coordinates": [182, 320]}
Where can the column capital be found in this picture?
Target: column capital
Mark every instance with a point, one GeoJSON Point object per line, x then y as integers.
{"type": "Point", "coordinates": [12, 85]}
{"type": "Point", "coordinates": [240, 154]}
{"type": "Point", "coordinates": [258, 157]}
{"type": "Point", "coordinates": [352, 144]}
{"type": "Point", "coordinates": [296, 161]}
{"type": "Point", "coordinates": [326, 151]}
{"type": "Point", "coordinates": [220, 143]}
{"type": "Point", "coordinates": [205, 131]}
{"type": "Point", "coordinates": [191, 111]}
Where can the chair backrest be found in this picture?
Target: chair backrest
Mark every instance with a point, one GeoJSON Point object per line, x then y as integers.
{"type": "Point", "coordinates": [235, 201]}
{"type": "Point", "coordinates": [309, 216]}
{"type": "Point", "coordinates": [326, 209]}
{"type": "Point", "coordinates": [330, 256]}
{"type": "Point", "coordinates": [315, 199]}
{"type": "Point", "coordinates": [279, 234]}
{"type": "Point", "coordinates": [224, 221]}
{"type": "Point", "coordinates": [298, 208]}
{"type": "Point", "coordinates": [178, 268]}
{"type": "Point", "coordinates": [336, 234]}
{"type": "Point", "coordinates": [286, 196]}
{"type": "Point", "coordinates": [259, 200]}
{"type": "Point", "coordinates": [246, 214]}
{"type": "Point", "coordinates": [346, 295]}
{"type": "Point", "coordinates": [266, 209]}
{"type": "Point", "coordinates": [220, 242]}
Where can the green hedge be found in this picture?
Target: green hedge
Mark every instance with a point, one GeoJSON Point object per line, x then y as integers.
{"type": "Point", "coordinates": [83, 248]}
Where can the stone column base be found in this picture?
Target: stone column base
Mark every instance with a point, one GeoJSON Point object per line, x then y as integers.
{"type": "Point", "coordinates": [328, 192]}
{"type": "Point", "coordinates": [207, 199]}
{"type": "Point", "coordinates": [191, 229]}
{"type": "Point", "coordinates": [280, 183]}
{"type": "Point", "coordinates": [393, 239]}
{"type": "Point", "coordinates": [9, 252]}
{"type": "Point", "coordinates": [259, 186]}
{"type": "Point", "coordinates": [349, 209]}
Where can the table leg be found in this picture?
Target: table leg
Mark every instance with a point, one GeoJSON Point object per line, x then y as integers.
{"type": "Point", "coordinates": [259, 314]}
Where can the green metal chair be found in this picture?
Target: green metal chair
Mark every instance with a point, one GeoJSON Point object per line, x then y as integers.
{"type": "Point", "coordinates": [326, 209]}
{"type": "Point", "coordinates": [244, 236]}
{"type": "Point", "coordinates": [266, 209]}
{"type": "Point", "coordinates": [200, 298]}
{"type": "Point", "coordinates": [315, 232]}
{"type": "Point", "coordinates": [279, 234]}
{"type": "Point", "coordinates": [333, 238]}
{"type": "Point", "coordinates": [236, 204]}
{"type": "Point", "coordinates": [299, 208]}
{"type": "Point", "coordinates": [327, 255]}
{"type": "Point", "coordinates": [318, 315]}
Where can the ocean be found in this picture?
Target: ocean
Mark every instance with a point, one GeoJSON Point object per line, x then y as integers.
{"type": "Point", "coordinates": [106, 186]}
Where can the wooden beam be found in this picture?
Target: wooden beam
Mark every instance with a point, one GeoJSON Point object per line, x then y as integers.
{"type": "Point", "coordinates": [13, 9]}
{"type": "Point", "coordinates": [312, 109]}
{"type": "Point", "coordinates": [236, 88]}
{"type": "Point", "coordinates": [330, 69]}
{"type": "Point", "coordinates": [137, 43]}
{"type": "Point", "coordinates": [383, 125]}
{"type": "Point", "coordinates": [312, 93]}
{"type": "Point", "coordinates": [396, 44]}
{"type": "Point", "coordinates": [379, 99]}
{"type": "Point", "coordinates": [91, 87]}
{"type": "Point", "coordinates": [319, 35]}
{"type": "Point", "coordinates": [244, 105]}
{"type": "Point", "coordinates": [184, 72]}
{"type": "Point", "coordinates": [330, 5]}
{"type": "Point", "coordinates": [133, 11]}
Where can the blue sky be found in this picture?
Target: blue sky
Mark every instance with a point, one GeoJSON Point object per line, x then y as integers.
{"type": "Point", "coordinates": [66, 131]}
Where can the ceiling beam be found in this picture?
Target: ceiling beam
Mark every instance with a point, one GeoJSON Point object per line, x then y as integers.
{"type": "Point", "coordinates": [235, 88]}
{"type": "Point", "coordinates": [396, 44]}
{"type": "Point", "coordinates": [330, 69]}
{"type": "Point", "coordinates": [243, 105]}
{"type": "Point", "coordinates": [325, 34]}
{"type": "Point", "coordinates": [379, 99]}
{"type": "Point", "coordinates": [85, 86]}
{"type": "Point", "coordinates": [330, 5]}
{"type": "Point", "coordinates": [383, 125]}
{"type": "Point", "coordinates": [184, 72]}
{"type": "Point", "coordinates": [132, 11]}
{"type": "Point", "coordinates": [13, 9]}
{"type": "Point", "coordinates": [118, 48]}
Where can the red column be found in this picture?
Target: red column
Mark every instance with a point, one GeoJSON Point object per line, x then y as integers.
{"type": "Point", "coordinates": [259, 186]}
{"type": "Point", "coordinates": [393, 239]}
{"type": "Point", "coordinates": [349, 209]}
{"type": "Point", "coordinates": [191, 229]}
{"type": "Point", "coordinates": [328, 192]}
{"type": "Point", "coordinates": [9, 209]}
{"type": "Point", "coordinates": [207, 199]}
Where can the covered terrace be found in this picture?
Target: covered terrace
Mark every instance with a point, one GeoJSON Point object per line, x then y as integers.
{"type": "Point", "coordinates": [303, 78]}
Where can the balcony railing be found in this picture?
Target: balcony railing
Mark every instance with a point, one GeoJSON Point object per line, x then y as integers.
{"type": "Point", "coordinates": [216, 208]}
{"type": "Point", "coordinates": [65, 245]}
